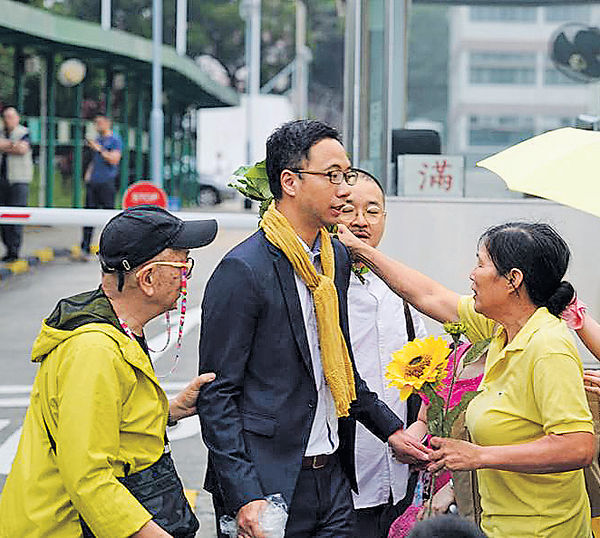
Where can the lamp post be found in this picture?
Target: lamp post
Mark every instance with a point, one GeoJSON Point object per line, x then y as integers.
{"type": "Point", "coordinates": [157, 117]}
{"type": "Point", "coordinates": [250, 12]}
{"type": "Point", "coordinates": [302, 59]}
{"type": "Point", "coordinates": [105, 14]}
{"type": "Point", "coordinates": [181, 27]}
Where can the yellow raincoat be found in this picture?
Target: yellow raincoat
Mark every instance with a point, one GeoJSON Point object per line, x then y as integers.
{"type": "Point", "coordinates": [98, 395]}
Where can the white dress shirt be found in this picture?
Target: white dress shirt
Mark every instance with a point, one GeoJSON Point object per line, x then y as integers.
{"type": "Point", "coordinates": [377, 329]}
{"type": "Point", "coordinates": [324, 437]}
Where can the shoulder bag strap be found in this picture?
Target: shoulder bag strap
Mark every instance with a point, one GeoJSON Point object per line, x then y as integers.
{"type": "Point", "coordinates": [410, 326]}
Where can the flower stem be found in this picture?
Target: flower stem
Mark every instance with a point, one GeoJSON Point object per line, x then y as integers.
{"type": "Point", "coordinates": [449, 397]}
{"type": "Point", "coordinates": [431, 494]}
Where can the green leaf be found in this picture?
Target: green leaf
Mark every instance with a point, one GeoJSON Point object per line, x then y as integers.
{"type": "Point", "coordinates": [457, 410]}
{"type": "Point", "coordinates": [241, 171]}
{"type": "Point", "coordinates": [476, 351]}
{"type": "Point", "coordinates": [435, 413]}
{"type": "Point", "coordinates": [253, 183]}
{"type": "Point", "coordinates": [264, 206]}
{"type": "Point", "coordinates": [258, 171]}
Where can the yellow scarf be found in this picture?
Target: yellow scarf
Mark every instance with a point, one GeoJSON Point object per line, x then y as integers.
{"type": "Point", "coordinates": [334, 352]}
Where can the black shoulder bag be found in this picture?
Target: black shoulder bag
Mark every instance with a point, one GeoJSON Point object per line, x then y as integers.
{"type": "Point", "coordinates": [160, 491]}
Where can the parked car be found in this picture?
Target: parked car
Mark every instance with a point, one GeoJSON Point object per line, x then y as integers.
{"type": "Point", "coordinates": [205, 190]}
{"type": "Point", "coordinates": [212, 191]}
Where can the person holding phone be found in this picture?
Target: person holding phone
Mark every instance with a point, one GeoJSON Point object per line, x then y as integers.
{"type": "Point", "coordinates": [101, 173]}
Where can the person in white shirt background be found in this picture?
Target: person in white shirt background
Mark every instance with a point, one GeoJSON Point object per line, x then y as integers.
{"type": "Point", "coordinates": [380, 324]}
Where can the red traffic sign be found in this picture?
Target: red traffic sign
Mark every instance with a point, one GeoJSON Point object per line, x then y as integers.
{"type": "Point", "coordinates": [145, 193]}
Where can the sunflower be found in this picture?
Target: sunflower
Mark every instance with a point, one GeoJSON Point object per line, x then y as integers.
{"type": "Point", "coordinates": [418, 362]}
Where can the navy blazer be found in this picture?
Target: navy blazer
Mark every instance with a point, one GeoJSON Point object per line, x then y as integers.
{"type": "Point", "coordinates": [256, 416]}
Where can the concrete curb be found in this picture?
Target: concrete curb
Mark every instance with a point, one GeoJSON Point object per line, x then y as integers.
{"type": "Point", "coordinates": [39, 257]}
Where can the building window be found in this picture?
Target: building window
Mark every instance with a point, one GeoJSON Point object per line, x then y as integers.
{"type": "Point", "coordinates": [503, 14]}
{"type": "Point", "coordinates": [548, 123]}
{"type": "Point", "coordinates": [502, 68]}
{"type": "Point", "coordinates": [499, 131]}
{"type": "Point", "coordinates": [570, 13]}
{"type": "Point", "coordinates": [553, 77]}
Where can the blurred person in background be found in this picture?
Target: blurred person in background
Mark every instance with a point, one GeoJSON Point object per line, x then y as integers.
{"type": "Point", "coordinates": [101, 174]}
{"type": "Point", "coordinates": [16, 173]}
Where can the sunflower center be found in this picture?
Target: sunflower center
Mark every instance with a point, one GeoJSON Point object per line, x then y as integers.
{"type": "Point", "coordinates": [417, 365]}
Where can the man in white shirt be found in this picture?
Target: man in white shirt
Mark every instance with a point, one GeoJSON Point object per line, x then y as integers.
{"type": "Point", "coordinates": [378, 326]}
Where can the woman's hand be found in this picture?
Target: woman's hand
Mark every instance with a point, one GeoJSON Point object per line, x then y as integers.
{"type": "Point", "coordinates": [454, 455]}
{"type": "Point", "coordinates": [353, 243]}
{"type": "Point", "coordinates": [591, 378]}
{"type": "Point", "coordinates": [184, 404]}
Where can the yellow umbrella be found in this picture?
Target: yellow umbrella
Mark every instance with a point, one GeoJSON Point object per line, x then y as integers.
{"type": "Point", "coordinates": [561, 165]}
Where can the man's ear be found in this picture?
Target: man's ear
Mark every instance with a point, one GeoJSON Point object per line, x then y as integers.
{"type": "Point", "coordinates": [146, 282]}
{"type": "Point", "coordinates": [289, 183]}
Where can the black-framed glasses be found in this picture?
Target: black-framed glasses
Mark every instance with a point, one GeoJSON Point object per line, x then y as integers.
{"type": "Point", "coordinates": [335, 176]}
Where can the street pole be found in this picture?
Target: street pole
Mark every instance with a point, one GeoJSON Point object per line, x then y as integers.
{"type": "Point", "coordinates": [357, 81]}
{"type": "Point", "coordinates": [250, 12]}
{"type": "Point", "coordinates": [301, 79]}
{"type": "Point", "coordinates": [156, 117]}
{"type": "Point", "coordinates": [43, 133]}
{"type": "Point", "coordinates": [50, 126]}
{"type": "Point", "coordinates": [105, 15]}
{"type": "Point", "coordinates": [78, 147]}
{"type": "Point", "coordinates": [181, 27]}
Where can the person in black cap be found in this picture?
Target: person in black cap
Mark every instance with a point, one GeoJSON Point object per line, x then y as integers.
{"type": "Point", "coordinates": [97, 410]}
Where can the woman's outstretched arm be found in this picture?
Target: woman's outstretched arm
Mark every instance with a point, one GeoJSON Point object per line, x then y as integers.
{"type": "Point", "coordinates": [425, 294]}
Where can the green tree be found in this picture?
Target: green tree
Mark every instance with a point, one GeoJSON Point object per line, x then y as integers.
{"type": "Point", "coordinates": [215, 28]}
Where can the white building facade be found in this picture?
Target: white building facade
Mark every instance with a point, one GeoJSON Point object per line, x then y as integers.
{"type": "Point", "coordinates": [503, 87]}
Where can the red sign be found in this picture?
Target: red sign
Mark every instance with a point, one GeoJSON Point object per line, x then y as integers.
{"type": "Point", "coordinates": [145, 193]}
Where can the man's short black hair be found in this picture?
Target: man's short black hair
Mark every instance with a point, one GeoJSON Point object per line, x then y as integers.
{"type": "Point", "coordinates": [363, 174]}
{"type": "Point", "coordinates": [289, 145]}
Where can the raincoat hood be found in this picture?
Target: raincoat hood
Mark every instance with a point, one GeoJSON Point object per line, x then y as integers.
{"type": "Point", "coordinates": [72, 316]}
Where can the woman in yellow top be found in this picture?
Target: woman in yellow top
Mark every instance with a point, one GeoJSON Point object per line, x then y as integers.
{"type": "Point", "coordinates": [531, 425]}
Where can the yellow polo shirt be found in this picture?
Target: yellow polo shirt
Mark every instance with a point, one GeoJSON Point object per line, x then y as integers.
{"type": "Point", "coordinates": [531, 387]}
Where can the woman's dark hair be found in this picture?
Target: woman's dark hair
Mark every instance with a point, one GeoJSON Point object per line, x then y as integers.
{"type": "Point", "coordinates": [539, 253]}
{"type": "Point", "coordinates": [289, 145]}
{"type": "Point", "coordinates": [446, 526]}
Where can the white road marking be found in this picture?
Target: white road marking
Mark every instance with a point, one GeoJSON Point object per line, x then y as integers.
{"type": "Point", "coordinates": [14, 402]}
{"type": "Point", "coordinates": [15, 389]}
{"type": "Point", "coordinates": [3, 423]}
{"type": "Point", "coordinates": [8, 451]}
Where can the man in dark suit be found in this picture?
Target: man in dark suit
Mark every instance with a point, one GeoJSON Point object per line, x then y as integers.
{"type": "Point", "coordinates": [269, 419]}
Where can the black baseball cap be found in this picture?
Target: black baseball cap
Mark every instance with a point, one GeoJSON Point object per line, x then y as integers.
{"type": "Point", "coordinates": [136, 235]}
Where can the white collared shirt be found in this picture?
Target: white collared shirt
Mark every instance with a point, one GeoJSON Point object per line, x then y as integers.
{"type": "Point", "coordinates": [324, 432]}
{"type": "Point", "coordinates": [377, 329]}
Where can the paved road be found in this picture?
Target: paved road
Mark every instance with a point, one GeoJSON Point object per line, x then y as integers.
{"type": "Point", "coordinates": [26, 299]}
